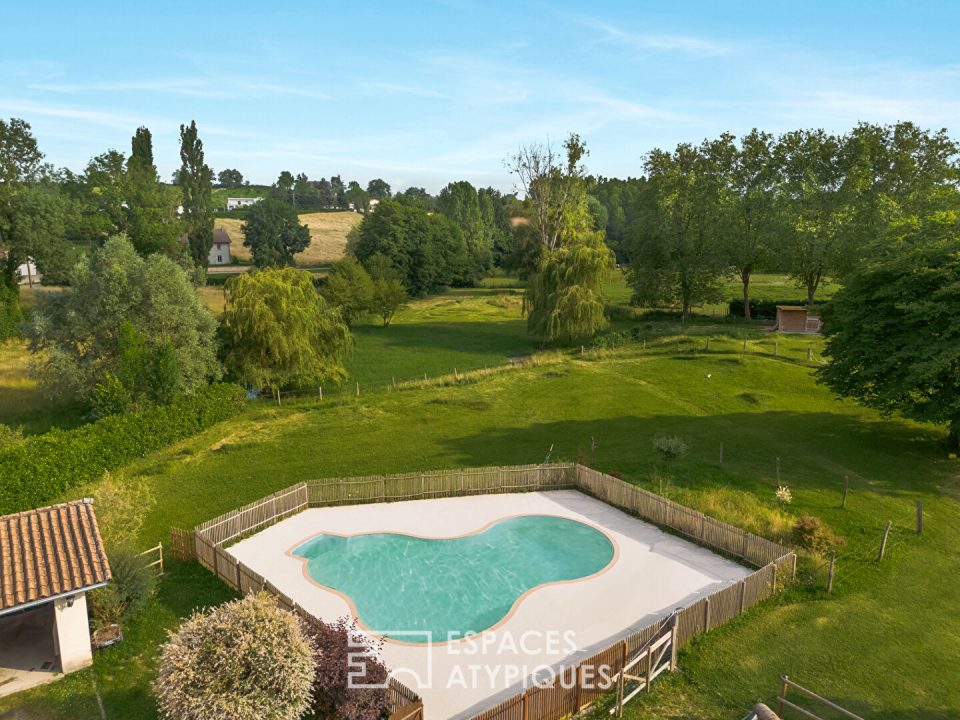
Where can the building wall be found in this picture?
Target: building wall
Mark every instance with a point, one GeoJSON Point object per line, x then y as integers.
{"type": "Point", "coordinates": [219, 255]}
{"type": "Point", "coordinates": [72, 633]}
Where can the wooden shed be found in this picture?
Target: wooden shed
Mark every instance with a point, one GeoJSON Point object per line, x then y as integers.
{"type": "Point", "coordinates": [796, 319]}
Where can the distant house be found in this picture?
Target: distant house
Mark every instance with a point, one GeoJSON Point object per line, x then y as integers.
{"type": "Point", "coordinates": [372, 204]}
{"type": "Point", "coordinates": [50, 558]}
{"type": "Point", "coordinates": [27, 272]}
{"type": "Point", "coordinates": [220, 250]}
{"type": "Point", "coordinates": [234, 203]}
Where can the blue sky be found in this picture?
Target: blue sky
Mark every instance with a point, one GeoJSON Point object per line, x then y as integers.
{"type": "Point", "coordinates": [428, 92]}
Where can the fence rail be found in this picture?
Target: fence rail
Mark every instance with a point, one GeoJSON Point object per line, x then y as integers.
{"type": "Point", "coordinates": [571, 691]}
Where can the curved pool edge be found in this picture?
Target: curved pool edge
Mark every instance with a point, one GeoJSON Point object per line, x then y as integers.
{"type": "Point", "coordinates": [355, 615]}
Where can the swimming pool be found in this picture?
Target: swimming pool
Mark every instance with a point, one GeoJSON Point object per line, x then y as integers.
{"type": "Point", "coordinates": [444, 588]}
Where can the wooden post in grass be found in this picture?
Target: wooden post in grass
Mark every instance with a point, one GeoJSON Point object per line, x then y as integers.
{"type": "Point", "coordinates": [883, 543]}
{"type": "Point", "coordinates": [706, 615]}
{"type": "Point", "coordinates": [743, 596]}
{"type": "Point", "coordinates": [721, 452]}
{"type": "Point", "coordinates": [358, 389]}
{"type": "Point", "coordinates": [706, 345]}
{"type": "Point", "coordinates": [776, 348]}
{"type": "Point", "coordinates": [320, 391]}
{"type": "Point", "coordinates": [744, 343]}
{"type": "Point", "coordinates": [919, 517]}
{"type": "Point", "coordinates": [593, 450]}
{"type": "Point", "coordinates": [846, 489]}
{"type": "Point", "coordinates": [783, 694]}
{"type": "Point", "coordinates": [810, 353]}
{"type": "Point", "coordinates": [833, 566]}
{"type": "Point", "coordinates": [778, 469]}
{"type": "Point", "coordinates": [393, 381]}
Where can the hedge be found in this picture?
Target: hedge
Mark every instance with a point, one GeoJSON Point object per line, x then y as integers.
{"type": "Point", "coordinates": [41, 468]}
{"type": "Point", "coordinates": [761, 309]}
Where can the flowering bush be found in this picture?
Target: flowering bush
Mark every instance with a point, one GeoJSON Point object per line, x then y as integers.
{"type": "Point", "coordinates": [784, 496]}
{"type": "Point", "coordinates": [345, 662]}
{"type": "Point", "coordinates": [243, 660]}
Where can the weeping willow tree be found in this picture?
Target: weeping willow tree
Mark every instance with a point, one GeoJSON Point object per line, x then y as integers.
{"type": "Point", "coordinates": [564, 300]}
{"type": "Point", "coordinates": [279, 332]}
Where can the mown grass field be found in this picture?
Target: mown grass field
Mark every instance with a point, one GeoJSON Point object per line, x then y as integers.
{"type": "Point", "coordinates": [883, 645]}
{"type": "Point", "coordinates": [328, 236]}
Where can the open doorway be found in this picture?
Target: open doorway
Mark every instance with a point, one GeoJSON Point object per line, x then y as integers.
{"type": "Point", "coordinates": [28, 655]}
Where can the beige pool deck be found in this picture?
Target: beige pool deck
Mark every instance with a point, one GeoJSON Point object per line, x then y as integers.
{"type": "Point", "coordinates": [652, 573]}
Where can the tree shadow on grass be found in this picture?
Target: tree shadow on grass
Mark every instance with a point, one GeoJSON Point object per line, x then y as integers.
{"type": "Point", "coordinates": [886, 457]}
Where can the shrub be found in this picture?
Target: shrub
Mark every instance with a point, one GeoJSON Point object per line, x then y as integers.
{"type": "Point", "coordinates": [129, 590]}
{"type": "Point", "coordinates": [339, 649]}
{"type": "Point", "coordinates": [42, 467]}
{"type": "Point", "coordinates": [243, 660]}
{"type": "Point", "coordinates": [670, 447]}
{"type": "Point", "coordinates": [121, 507]}
{"type": "Point", "coordinates": [810, 533]}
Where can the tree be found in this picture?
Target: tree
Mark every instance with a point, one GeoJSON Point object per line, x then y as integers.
{"type": "Point", "coordinates": [892, 336]}
{"type": "Point", "coordinates": [389, 294]}
{"type": "Point", "coordinates": [285, 187]}
{"type": "Point", "coordinates": [564, 299]}
{"type": "Point", "coordinates": [357, 197]}
{"type": "Point", "coordinates": [426, 250]}
{"type": "Point", "coordinates": [230, 178]}
{"type": "Point", "coordinates": [19, 167]}
{"type": "Point", "coordinates": [278, 331]}
{"type": "Point", "coordinates": [78, 334]}
{"type": "Point", "coordinates": [460, 203]}
{"type": "Point", "coordinates": [745, 179]}
{"type": "Point", "coordinates": [419, 196]}
{"type": "Point", "coordinates": [812, 205]}
{"type": "Point", "coordinates": [379, 189]}
{"type": "Point", "coordinates": [151, 208]}
{"type": "Point", "coordinates": [350, 680]}
{"type": "Point", "coordinates": [243, 660]}
{"type": "Point", "coordinates": [349, 289]}
{"type": "Point", "coordinates": [549, 184]}
{"type": "Point", "coordinates": [274, 234]}
{"type": "Point", "coordinates": [673, 248]}
{"type": "Point", "coordinates": [196, 184]}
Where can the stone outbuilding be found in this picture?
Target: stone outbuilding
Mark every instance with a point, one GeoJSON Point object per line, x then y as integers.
{"type": "Point", "coordinates": [50, 558]}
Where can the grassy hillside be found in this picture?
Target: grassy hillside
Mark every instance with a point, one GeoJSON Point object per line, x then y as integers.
{"type": "Point", "coordinates": [894, 620]}
{"type": "Point", "coordinates": [328, 236]}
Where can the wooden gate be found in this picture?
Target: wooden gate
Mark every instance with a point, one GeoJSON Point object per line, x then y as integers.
{"type": "Point", "coordinates": [182, 544]}
{"type": "Point", "coordinates": [657, 656]}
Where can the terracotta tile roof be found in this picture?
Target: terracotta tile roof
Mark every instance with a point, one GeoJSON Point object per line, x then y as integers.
{"type": "Point", "coordinates": [50, 551]}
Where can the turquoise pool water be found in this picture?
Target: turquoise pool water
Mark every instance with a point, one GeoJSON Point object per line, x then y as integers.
{"type": "Point", "coordinates": [401, 583]}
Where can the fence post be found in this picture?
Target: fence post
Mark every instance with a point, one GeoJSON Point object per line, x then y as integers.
{"type": "Point", "coordinates": [883, 543]}
{"type": "Point", "coordinates": [783, 693]}
{"type": "Point", "coordinates": [919, 517]}
{"type": "Point", "coordinates": [833, 562]}
{"type": "Point", "coordinates": [674, 636]}
{"type": "Point", "coordinates": [236, 565]}
{"type": "Point", "coordinates": [774, 583]}
{"type": "Point", "coordinates": [706, 615]}
{"type": "Point", "coordinates": [743, 596]}
{"type": "Point", "coordinates": [721, 452]}
{"type": "Point", "coordinates": [524, 703]}
{"type": "Point", "coordinates": [579, 680]}
{"type": "Point", "coordinates": [649, 668]}
{"type": "Point", "coordinates": [846, 490]}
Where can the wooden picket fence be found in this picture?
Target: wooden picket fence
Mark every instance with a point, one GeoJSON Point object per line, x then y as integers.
{"type": "Point", "coordinates": [574, 687]}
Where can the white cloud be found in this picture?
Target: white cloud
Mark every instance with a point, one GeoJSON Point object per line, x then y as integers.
{"type": "Point", "coordinates": [654, 42]}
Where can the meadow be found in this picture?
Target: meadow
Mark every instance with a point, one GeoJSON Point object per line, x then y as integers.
{"type": "Point", "coordinates": [328, 236]}
{"type": "Point", "coordinates": [883, 644]}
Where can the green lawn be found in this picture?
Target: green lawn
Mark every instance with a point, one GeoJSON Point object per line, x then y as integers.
{"type": "Point", "coordinates": [884, 622]}
{"type": "Point", "coordinates": [882, 645]}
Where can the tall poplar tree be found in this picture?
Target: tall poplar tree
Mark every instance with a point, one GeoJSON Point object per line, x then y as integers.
{"type": "Point", "coordinates": [196, 185]}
